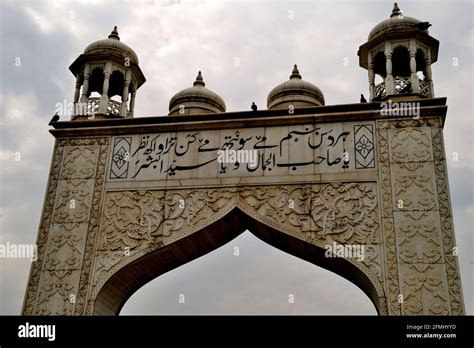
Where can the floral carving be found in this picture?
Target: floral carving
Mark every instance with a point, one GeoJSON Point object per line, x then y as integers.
{"type": "Point", "coordinates": [372, 260]}
{"type": "Point", "coordinates": [131, 219]}
{"type": "Point", "coordinates": [447, 231]}
{"type": "Point", "coordinates": [104, 261]}
{"type": "Point", "coordinates": [418, 237]}
{"type": "Point", "coordinates": [46, 219]}
{"type": "Point", "coordinates": [414, 190]}
{"type": "Point", "coordinates": [345, 213]}
{"type": "Point", "coordinates": [57, 293]}
{"type": "Point", "coordinates": [79, 162]}
{"type": "Point", "coordinates": [73, 200]}
{"type": "Point", "coordinates": [288, 205]}
{"type": "Point", "coordinates": [424, 292]}
{"type": "Point", "coordinates": [410, 145]}
{"type": "Point", "coordinates": [93, 228]}
{"type": "Point", "coordinates": [65, 246]}
{"type": "Point", "coordinates": [81, 247]}
{"type": "Point", "coordinates": [391, 262]}
{"type": "Point", "coordinates": [364, 146]}
{"type": "Point", "coordinates": [187, 209]}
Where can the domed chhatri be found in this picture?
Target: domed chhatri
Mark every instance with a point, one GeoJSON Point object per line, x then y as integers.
{"type": "Point", "coordinates": [400, 51]}
{"type": "Point", "coordinates": [196, 100]}
{"type": "Point", "coordinates": [110, 69]}
{"type": "Point", "coordinates": [396, 23]}
{"type": "Point", "coordinates": [295, 92]}
{"type": "Point", "coordinates": [112, 45]}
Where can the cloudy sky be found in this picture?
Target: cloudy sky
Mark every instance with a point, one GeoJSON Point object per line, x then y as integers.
{"type": "Point", "coordinates": [175, 39]}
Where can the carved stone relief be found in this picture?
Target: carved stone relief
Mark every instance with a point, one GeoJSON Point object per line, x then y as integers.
{"type": "Point", "coordinates": [89, 232]}
{"type": "Point", "coordinates": [135, 222]}
{"type": "Point", "coordinates": [410, 144]}
{"type": "Point", "coordinates": [424, 289]}
{"type": "Point", "coordinates": [418, 237]}
{"type": "Point", "coordinates": [73, 200]}
{"type": "Point", "coordinates": [412, 174]}
{"type": "Point", "coordinates": [65, 247]}
{"type": "Point", "coordinates": [79, 162]}
{"type": "Point", "coordinates": [57, 294]}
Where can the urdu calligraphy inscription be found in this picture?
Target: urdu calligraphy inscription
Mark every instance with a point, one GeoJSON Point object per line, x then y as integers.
{"type": "Point", "coordinates": [308, 149]}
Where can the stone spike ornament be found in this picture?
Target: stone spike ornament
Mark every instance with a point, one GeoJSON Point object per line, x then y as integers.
{"type": "Point", "coordinates": [199, 80]}
{"type": "Point", "coordinates": [295, 74]}
{"type": "Point", "coordinates": [396, 11]}
{"type": "Point", "coordinates": [114, 34]}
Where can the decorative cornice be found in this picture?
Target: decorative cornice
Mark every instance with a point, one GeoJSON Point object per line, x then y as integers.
{"type": "Point", "coordinates": [435, 107]}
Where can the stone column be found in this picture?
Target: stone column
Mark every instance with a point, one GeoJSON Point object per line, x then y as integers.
{"type": "Point", "coordinates": [85, 84]}
{"type": "Point", "coordinates": [429, 77]}
{"type": "Point", "coordinates": [77, 92]}
{"type": "Point", "coordinates": [415, 84]}
{"type": "Point", "coordinates": [389, 87]}
{"type": "Point", "coordinates": [78, 89]}
{"type": "Point", "coordinates": [371, 78]}
{"type": "Point", "coordinates": [126, 83]}
{"type": "Point", "coordinates": [104, 99]}
{"type": "Point", "coordinates": [371, 81]}
{"type": "Point", "coordinates": [132, 102]}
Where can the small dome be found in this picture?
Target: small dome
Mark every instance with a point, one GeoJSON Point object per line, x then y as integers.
{"type": "Point", "coordinates": [296, 92]}
{"type": "Point", "coordinates": [112, 44]}
{"type": "Point", "coordinates": [396, 22]}
{"type": "Point", "coordinates": [196, 100]}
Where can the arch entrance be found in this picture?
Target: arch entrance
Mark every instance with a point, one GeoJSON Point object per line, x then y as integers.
{"type": "Point", "coordinates": [129, 199]}
{"type": "Point", "coordinates": [133, 275]}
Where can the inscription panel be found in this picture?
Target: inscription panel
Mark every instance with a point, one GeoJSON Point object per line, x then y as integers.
{"type": "Point", "coordinates": [310, 149]}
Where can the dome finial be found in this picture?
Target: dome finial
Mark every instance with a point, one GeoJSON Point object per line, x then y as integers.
{"type": "Point", "coordinates": [199, 80]}
{"type": "Point", "coordinates": [114, 34]}
{"type": "Point", "coordinates": [295, 74]}
{"type": "Point", "coordinates": [396, 11]}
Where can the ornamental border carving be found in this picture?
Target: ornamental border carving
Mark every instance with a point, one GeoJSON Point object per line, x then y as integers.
{"type": "Point", "coordinates": [388, 230]}
{"type": "Point", "coordinates": [93, 228]}
{"type": "Point", "coordinates": [233, 199]}
{"type": "Point", "coordinates": [447, 231]}
{"type": "Point", "coordinates": [46, 220]}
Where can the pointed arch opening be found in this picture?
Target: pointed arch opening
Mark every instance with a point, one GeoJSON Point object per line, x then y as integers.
{"type": "Point", "coordinates": [127, 280]}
